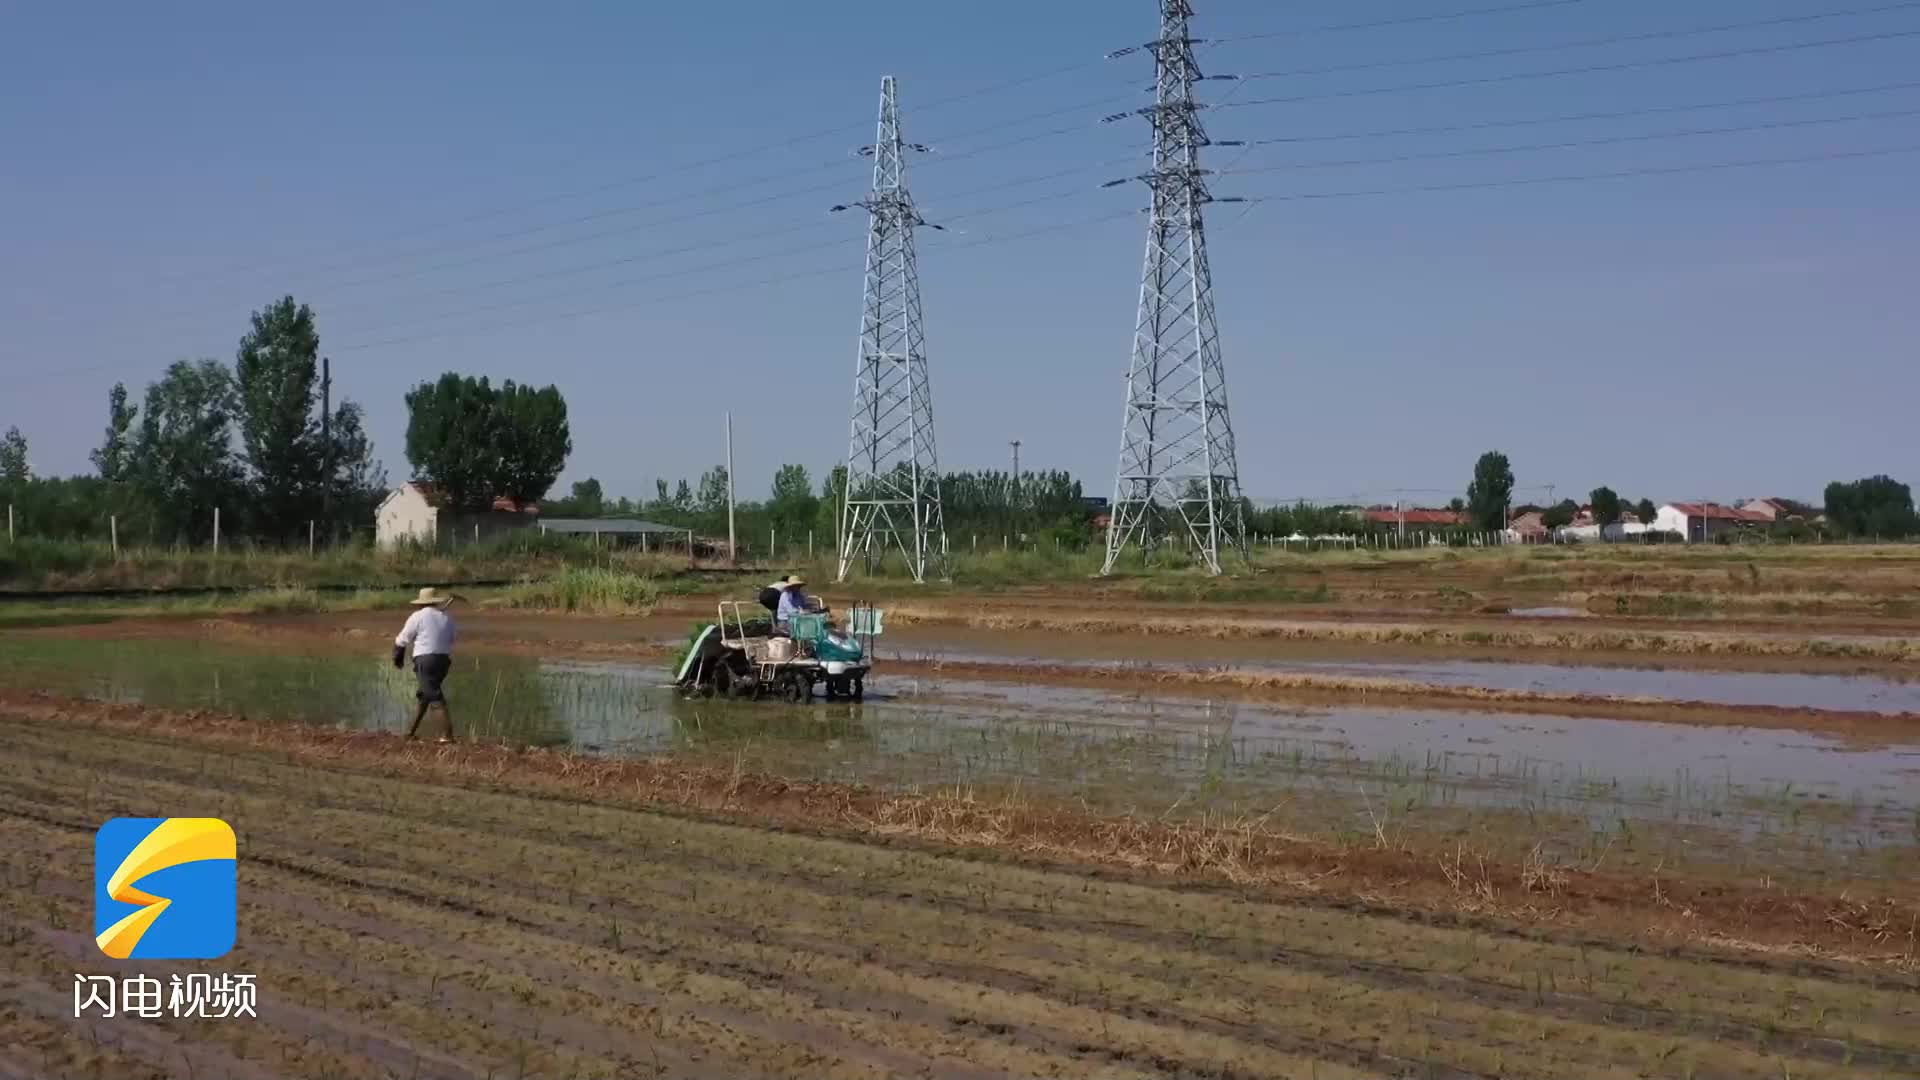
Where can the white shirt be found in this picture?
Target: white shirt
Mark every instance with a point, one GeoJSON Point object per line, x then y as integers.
{"type": "Point", "coordinates": [792, 602]}
{"type": "Point", "coordinates": [429, 631]}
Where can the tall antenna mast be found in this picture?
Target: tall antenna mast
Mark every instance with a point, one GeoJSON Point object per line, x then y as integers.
{"type": "Point", "coordinates": [1177, 474]}
{"type": "Point", "coordinates": [893, 475]}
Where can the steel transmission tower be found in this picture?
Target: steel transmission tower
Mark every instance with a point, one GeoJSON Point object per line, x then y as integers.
{"type": "Point", "coordinates": [892, 494]}
{"type": "Point", "coordinates": [1177, 474]}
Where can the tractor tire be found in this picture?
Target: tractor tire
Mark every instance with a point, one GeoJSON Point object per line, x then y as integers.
{"type": "Point", "coordinates": [859, 689]}
{"type": "Point", "coordinates": [795, 689]}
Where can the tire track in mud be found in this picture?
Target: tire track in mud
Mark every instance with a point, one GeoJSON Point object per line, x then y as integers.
{"type": "Point", "coordinates": [419, 897]}
{"type": "Point", "coordinates": [1796, 963]}
{"type": "Point", "coordinates": [841, 996]}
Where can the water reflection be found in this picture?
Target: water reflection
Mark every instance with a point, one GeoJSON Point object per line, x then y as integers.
{"type": "Point", "coordinates": [1122, 751]}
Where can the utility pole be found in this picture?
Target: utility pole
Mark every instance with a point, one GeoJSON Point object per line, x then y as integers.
{"type": "Point", "coordinates": [1177, 469]}
{"type": "Point", "coordinates": [1016, 468]}
{"type": "Point", "coordinates": [893, 473]}
{"type": "Point", "coordinates": [326, 450]}
{"type": "Point", "coordinates": [733, 551]}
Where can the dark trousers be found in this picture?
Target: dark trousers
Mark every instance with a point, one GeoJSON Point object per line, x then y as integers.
{"type": "Point", "coordinates": [431, 670]}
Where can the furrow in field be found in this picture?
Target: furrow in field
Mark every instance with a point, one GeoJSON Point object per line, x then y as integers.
{"type": "Point", "coordinates": [392, 849]}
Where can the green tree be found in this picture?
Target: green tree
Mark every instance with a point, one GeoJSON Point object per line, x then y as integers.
{"type": "Point", "coordinates": [451, 438]}
{"type": "Point", "coordinates": [13, 457]}
{"type": "Point", "coordinates": [1492, 488]}
{"type": "Point", "coordinates": [357, 482]}
{"type": "Point", "coordinates": [826, 513]}
{"type": "Point", "coordinates": [184, 465]}
{"type": "Point", "coordinates": [533, 438]}
{"type": "Point", "coordinates": [114, 458]}
{"type": "Point", "coordinates": [794, 508]}
{"type": "Point", "coordinates": [711, 504]}
{"type": "Point", "coordinates": [1560, 514]}
{"type": "Point", "coordinates": [1646, 511]}
{"type": "Point", "coordinates": [1874, 506]}
{"type": "Point", "coordinates": [587, 499]}
{"type": "Point", "coordinates": [1606, 507]}
{"type": "Point", "coordinates": [276, 386]}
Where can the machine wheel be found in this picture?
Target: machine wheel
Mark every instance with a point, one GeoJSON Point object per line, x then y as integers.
{"type": "Point", "coordinates": [730, 683]}
{"type": "Point", "coordinates": [859, 689]}
{"type": "Point", "coordinates": [834, 689]}
{"type": "Point", "coordinates": [795, 689]}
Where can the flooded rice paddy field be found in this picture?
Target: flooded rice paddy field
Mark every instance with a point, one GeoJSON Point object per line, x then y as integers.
{"type": "Point", "coordinates": [1578, 783]}
{"type": "Point", "coordinates": [1847, 693]}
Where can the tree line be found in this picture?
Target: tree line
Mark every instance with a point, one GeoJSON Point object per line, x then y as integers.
{"type": "Point", "coordinates": [250, 439]}
{"type": "Point", "coordinates": [1041, 505]}
{"type": "Point", "coordinates": [259, 442]}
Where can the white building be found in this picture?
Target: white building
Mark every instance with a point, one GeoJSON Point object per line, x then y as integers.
{"type": "Point", "coordinates": [1699, 522]}
{"type": "Point", "coordinates": [1590, 533]}
{"type": "Point", "coordinates": [412, 514]}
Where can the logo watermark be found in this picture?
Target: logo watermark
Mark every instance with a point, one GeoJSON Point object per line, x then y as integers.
{"type": "Point", "coordinates": [208, 996]}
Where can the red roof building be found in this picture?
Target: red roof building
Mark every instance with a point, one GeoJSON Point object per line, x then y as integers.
{"type": "Point", "coordinates": [1413, 518]}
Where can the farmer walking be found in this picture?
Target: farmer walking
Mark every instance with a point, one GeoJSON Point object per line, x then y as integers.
{"type": "Point", "coordinates": [429, 631]}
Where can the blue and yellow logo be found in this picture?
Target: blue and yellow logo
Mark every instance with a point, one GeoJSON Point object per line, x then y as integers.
{"type": "Point", "coordinates": [163, 888]}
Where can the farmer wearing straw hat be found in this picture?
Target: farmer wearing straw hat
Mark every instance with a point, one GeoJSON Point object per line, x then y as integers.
{"type": "Point", "coordinates": [430, 632]}
{"type": "Point", "coordinates": [793, 601]}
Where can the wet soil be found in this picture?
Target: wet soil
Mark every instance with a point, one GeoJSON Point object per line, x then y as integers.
{"type": "Point", "coordinates": [477, 911]}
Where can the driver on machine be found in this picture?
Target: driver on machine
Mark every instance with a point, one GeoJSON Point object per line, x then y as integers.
{"type": "Point", "coordinates": [793, 601]}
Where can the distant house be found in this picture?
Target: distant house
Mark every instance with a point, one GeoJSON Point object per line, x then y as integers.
{"type": "Point", "coordinates": [1529, 527]}
{"type": "Point", "coordinates": [1412, 518]}
{"type": "Point", "coordinates": [415, 513]}
{"type": "Point", "coordinates": [1586, 532]}
{"type": "Point", "coordinates": [1778, 510]}
{"type": "Point", "coordinates": [1699, 522]}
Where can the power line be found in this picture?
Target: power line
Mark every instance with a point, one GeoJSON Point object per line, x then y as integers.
{"type": "Point", "coordinates": [1527, 181]}
{"type": "Point", "coordinates": [1408, 20]}
{"type": "Point", "coordinates": [1607, 141]}
{"type": "Point", "coordinates": [632, 181]}
{"type": "Point", "coordinates": [1056, 196]}
{"type": "Point", "coordinates": [642, 226]}
{"type": "Point", "coordinates": [838, 268]}
{"type": "Point", "coordinates": [843, 268]}
{"type": "Point", "coordinates": [679, 271]}
{"type": "Point", "coordinates": [657, 254]}
{"type": "Point", "coordinates": [1589, 43]}
{"type": "Point", "coordinates": [1565, 118]}
{"type": "Point", "coordinates": [1630, 65]}
{"type": "Point", "coordinates": [1075, 192]}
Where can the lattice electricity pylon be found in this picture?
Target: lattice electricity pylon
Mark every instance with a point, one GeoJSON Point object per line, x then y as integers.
{"type": "Point", "coordinates": [892, 494]}
{"type": "Point", "coordinates": [1177, 472]}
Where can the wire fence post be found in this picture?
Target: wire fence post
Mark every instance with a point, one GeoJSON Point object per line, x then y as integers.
{"type": "Point", "coordinates": [9, 523]}
{"type": "Point", "coordinates": [113, 534]}
{"type": "Point", "coordinates": [216, 531]}
{"type": "Point", "coordinates": [809, 545]}
{"type": "Point", "coordinates": [309, 538]}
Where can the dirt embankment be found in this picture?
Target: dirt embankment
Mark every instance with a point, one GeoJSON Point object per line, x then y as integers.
{"type": "Point", "coordinates": [474, 911]}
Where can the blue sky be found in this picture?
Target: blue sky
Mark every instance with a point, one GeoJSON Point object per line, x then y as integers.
{"type": "Point", "coordinates": [410, 170]}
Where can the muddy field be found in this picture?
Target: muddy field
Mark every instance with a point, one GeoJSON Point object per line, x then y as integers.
{"type": "Point", "coordinates": [467, 914]}
{"type": "Point", "coordinates": [1613, 814]}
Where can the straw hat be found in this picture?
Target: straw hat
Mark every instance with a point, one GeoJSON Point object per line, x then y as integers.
{"type": "Point", "coordinates": [431, 596]}
{"type": "Point", "coordinates": [795, 580]}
